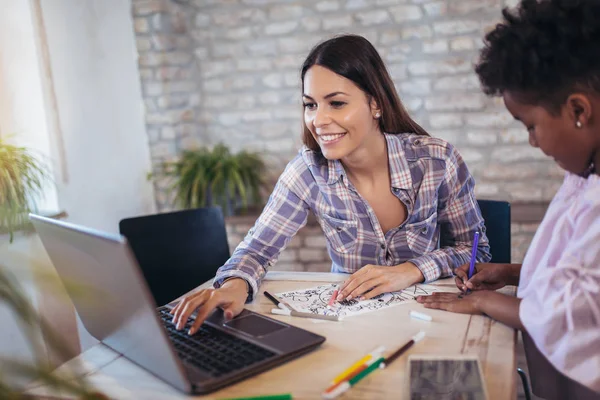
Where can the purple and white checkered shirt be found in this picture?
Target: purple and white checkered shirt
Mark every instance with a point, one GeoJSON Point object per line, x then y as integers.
{"type": "Point", "coordinates": [427, 174]}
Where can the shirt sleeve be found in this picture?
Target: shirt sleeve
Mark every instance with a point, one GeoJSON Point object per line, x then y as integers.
{"type": "Point", "coordinates": [284, 214]}
{"type": "Point", "coordinates": [561, 310]}
{"type": "Point", "coordinates": [459, 218]}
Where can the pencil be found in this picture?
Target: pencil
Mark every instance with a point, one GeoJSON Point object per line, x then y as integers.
{"type": "Point", "coordinates": [473, 256]}
{"type": "Point", "coordinates": [275, 300]}
{"type": "Point", "coordinates": [415, 339]}
{"type": "Point", "coordinates": [295, 313]}
{"type": "Point", "coordinates": [344, 386]}
{"type": "Point", "coordinates": [354, 368]}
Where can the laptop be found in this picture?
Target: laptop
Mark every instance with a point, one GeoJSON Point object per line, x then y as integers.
{"type": "Point", "coordinates": [114, 303]}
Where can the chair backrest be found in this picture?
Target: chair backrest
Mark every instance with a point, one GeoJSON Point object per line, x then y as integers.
{"type": "Point", "coordinates": [177, 251]}
{"type": "Point", "coordinates": [496, 215]}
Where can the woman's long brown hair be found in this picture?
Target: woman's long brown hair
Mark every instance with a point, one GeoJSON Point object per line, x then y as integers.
{"type": "Point", "coordinates": [355, 58]}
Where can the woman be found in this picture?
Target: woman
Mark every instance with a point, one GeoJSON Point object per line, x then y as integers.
{"type": "Point", "coordinates": [381, 188]}
{"type": "Point", "coordinates": [544, 61]}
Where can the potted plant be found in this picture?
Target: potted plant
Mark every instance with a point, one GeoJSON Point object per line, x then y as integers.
{"type": "Point", "coordinates": [21, 183]}
{"type": "Point", "coordinates": [205, 177]}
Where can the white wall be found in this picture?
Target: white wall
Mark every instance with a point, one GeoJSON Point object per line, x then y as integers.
{"type": "Point", "coordinates": [22, 112]}
{"type": "Point", "coordinates": [99, 102]}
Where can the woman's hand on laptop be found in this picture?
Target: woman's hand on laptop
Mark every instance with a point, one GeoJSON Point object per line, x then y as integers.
{"type": "Point", "coordinates": [231, 297]}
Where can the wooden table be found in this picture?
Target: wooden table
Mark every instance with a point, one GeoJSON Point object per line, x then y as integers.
{"type": "Point", "coordinates": [348, 340]}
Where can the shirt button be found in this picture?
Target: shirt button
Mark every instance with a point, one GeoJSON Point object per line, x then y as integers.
{"type": "Point", "coordinates": [396, 190]}
{"type": "Point", "coordinates": [338, 229]}
{"type": "Point", "coordinates": [383, 246]}
{"type": "Point", "coordinates": [417, 142]}
{"type": "Point", "coordinates": [424, 231]}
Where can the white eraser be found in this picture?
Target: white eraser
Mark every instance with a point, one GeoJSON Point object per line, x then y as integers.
{"type": "Point", "coordinates": [418, 315]}
{"type": "Point", "coordinates": [279, 311]}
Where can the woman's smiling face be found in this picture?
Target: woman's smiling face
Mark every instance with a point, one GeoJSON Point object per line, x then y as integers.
{"type": "Point", "coordinates": [337, 113]}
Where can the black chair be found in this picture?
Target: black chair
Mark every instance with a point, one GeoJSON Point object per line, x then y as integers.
{"type": "Point", "coordinates": [496, 215]}
{"type": "Point", "coordinates": [177, 251]}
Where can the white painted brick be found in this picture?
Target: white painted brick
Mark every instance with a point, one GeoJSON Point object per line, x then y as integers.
{"type": "Point", "coordinates": [462, 43]}
{"type": "Point", "coordinates": [143, 44]}
{"type": "Point", "coordinates": [211, 69]}
{"type": "Point", "coordinates": [512, 172]}
{"type": "Point", "coordinates": [167, 133]}
{"type": "Point", "coordinates": [328, 5]}
{"type": "Point", "coordinates": [357, 4]}
{"type": "Point", "coordinates": [483, 190]}
{"type": "Point", "coordinates": [213, 85]}
{"type": "Point", "coordinates": [344, 21]}
{"type": "Point", "coordinates": [509, 154]}
{"type": "Point", "coordinates": [456, 27]}
{"type": "Point", "coordinates": [202, 20]}
{"type": "Point", "coordinates": [163, 149]}
{"type": "Point", "coordinates": [242, 82]}
{"type": "Point", "coordinates": [274, 80]}
{"type": "Point", "coordinates": [274, 130]}
{"type": "Point", "coordinates": [416, 32]}
{"type": "Point", "coordinates": [406, 13]}
{"type": "Point", "coordinates": [262, 48]}
{"type": "Point", "coordinates": [287, 61]}
{"type": "Point", "coordinates": [514, 136]}
{"type": "Point", "coordinates": [376, 17]}
{"type": "Point", "coordinates": [489, 120]}
{"type": "Point", "coordinates": [279, 28]}
{"type": "Point", "coordinates": [525, 191]}
{"type": "Point", "coordinates": [201, 53]}
{"type": "Point", "coordinates": [238, 33]}
{"type": "Point", "coordinates": [436, 9]}
{"type": "Point", "coordinates": [397, 72]}
{"type": "Point", "coordinates": [469, 6]}
{"type": "Point", "coordinates": [311, 24]}
{"type": "Point", "coordinates": [141, 25]}
{"type": "Point", "coordinates": [453, 83]}
{"type": "Point", "coordinates": [417, 86]}
{"type": "Point", "coordinates": [286, 12]}
{"type": "Point", "coordinates": [445, 120]}
{"type": "Point", "coordinates": [471, 155]}
{"type": "Point", "coordinates": [446, 66]}
{"type": "Point", "coordinates": [482, 138]}
{"type": "Point", "coordinates": [291, 79]}
{"type": "Point", "coordinates": [257, 116]}
{"type": "Point", "coordinates": [433, 46]}
{"type": "Point", "coordinates": [227, 50]}
{"type": "Point", "coordinates": [447, 134]}
{"type": "Point", "coordinates": [458, 102]}
{"type": "Point", "coordinates": [229, 118]}
{"type": "Point", "coordinates": [296, 44]}
{"type": "Point", "coordinates": [413, 104]}
{"type": "Point", "coordinates": [253, 64]}
{"type": "Point", "coordinates": [390, 37]}
{"type": "Point", "coordinates": [310, 254]}
{"type": "Point", "coordinates": [316, 241]}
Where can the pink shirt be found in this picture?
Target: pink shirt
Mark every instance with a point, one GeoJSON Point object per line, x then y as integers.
{"type": "Point", "coordinates": [560, 282]}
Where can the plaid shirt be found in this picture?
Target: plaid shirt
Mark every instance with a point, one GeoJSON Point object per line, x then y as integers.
{"type": "Point", "coordinates": [427, 174]}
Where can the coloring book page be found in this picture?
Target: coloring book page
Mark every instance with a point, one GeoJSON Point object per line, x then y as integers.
{"type": "Point", "coordinates": [314, 300]}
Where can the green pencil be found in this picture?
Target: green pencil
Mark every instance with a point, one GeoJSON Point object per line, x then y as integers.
{"type": "Point", "coordinates": [285, 396]}
{"type": "Point", "coordinates": [348, 384]}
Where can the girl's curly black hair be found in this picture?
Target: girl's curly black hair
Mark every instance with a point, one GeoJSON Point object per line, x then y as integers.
{"type": "Point", "coordinates": [543, 51]}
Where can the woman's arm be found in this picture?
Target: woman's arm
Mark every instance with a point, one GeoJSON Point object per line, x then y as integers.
{"type": "Point", "coordinates": [459, 218]}
{"type": "Point", "coordinates": [284, 214]}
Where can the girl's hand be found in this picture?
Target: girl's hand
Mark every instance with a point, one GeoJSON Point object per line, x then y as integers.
{"type": "Point", "coordinates": [373, 280]}
{"type": "Point", "coordinates": [231, 297]}
{"type": "Point", "coordinates": [454, 302]}
{"type": "Point", "coordinates": [487, 276]}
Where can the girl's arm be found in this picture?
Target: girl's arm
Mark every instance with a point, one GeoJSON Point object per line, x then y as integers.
{"type": "Point", "coordinates": [500, 307]}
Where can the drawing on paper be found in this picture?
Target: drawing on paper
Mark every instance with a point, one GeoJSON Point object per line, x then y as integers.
{"type": "Point", "coordinates": [314, 300]}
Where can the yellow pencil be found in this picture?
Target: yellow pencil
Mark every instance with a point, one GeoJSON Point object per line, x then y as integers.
{"type": "Point", "coordinates": [350, 370]}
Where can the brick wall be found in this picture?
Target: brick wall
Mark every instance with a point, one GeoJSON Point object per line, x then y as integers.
{"type": "Point", "coordinates": [228, 71]}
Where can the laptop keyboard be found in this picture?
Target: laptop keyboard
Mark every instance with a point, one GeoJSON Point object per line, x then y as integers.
{"type": "Point", "coordinates": [212, 350]}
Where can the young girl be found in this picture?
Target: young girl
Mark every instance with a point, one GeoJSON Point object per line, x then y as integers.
{"type": "Point", "coordinates": [544, 61]}
{"type": "Point", "coordinates": [382, 190]}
